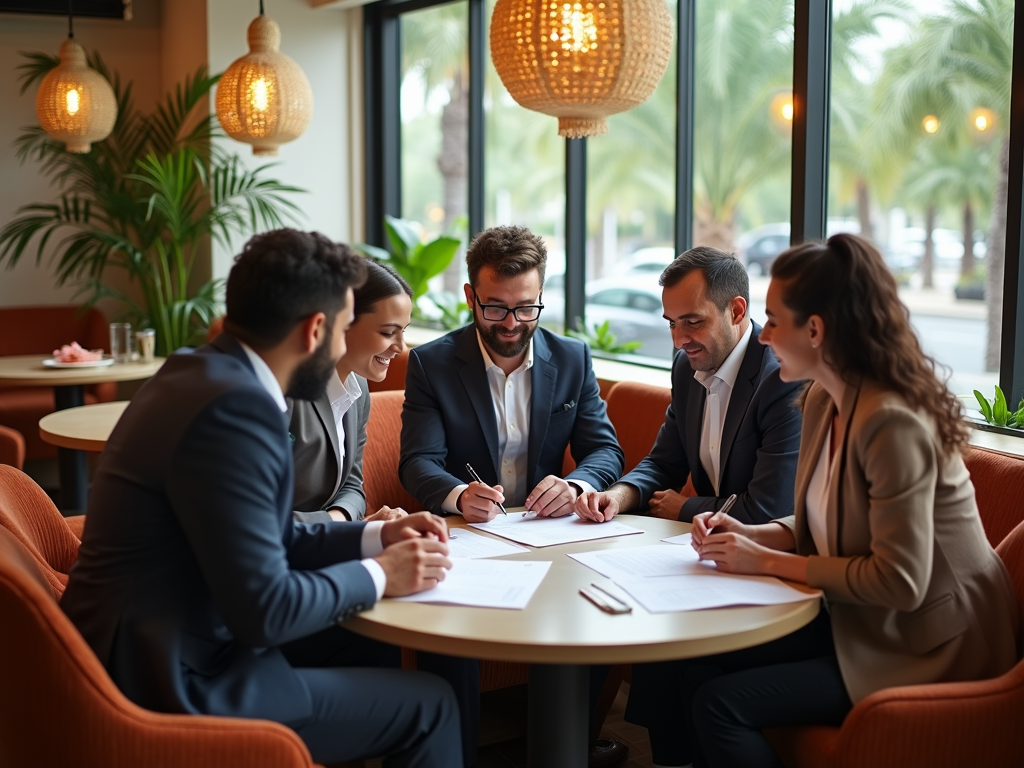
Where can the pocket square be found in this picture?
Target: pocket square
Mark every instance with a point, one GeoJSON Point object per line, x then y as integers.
{"type": "Point", "coordinates": [568, 406]}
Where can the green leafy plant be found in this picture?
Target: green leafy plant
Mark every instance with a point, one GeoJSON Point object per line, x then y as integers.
{"type": "Point", "coordinates": [455, 313]}
{"type": "Point", "coordinates": [415, 260]}
{"type": "Point", "coordinates": [600, 337]}
{"type": "Point", "coordinates": [998, 412]}
{"type": "Point", "coordinates": [145, 201]}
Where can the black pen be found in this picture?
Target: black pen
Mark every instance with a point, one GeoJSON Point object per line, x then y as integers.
{"type": "Point", "coordinates": [476, 477]}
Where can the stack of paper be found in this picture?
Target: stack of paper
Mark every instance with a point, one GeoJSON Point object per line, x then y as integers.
{"type": "Point", "coordinates": [486, 584]}
{"type": "Point", "coordinates": [463, 543]}
{"type": "Point", "coordinates": [665, 578]}
{"type": "Point", "coordinates": [527, 528]}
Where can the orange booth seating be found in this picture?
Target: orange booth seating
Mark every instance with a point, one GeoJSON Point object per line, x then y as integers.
{"type": "Point", "coordinates": [40, 330]}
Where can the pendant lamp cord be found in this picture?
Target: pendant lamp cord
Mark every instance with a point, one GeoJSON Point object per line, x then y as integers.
{"type": "Point", "coordinates": [261, 7]}
{"type": "Point", "coordinates": [71, 26]}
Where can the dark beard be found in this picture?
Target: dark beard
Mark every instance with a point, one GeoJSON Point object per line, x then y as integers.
{"type": "Point", "coordinates": [310, 379]}
{"type": "Point", "coordinates": [503, 348]}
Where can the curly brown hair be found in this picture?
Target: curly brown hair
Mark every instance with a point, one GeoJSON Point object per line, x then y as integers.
{"type": "Point", "coordinates": [846, 283]}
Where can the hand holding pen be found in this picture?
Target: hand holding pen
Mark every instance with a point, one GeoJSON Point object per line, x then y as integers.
{"type": "Point", "coordinates": [480, 502]}
{"type": "Point", "coordinates": [706, 522]}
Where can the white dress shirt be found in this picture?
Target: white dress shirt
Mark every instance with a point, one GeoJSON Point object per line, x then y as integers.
{"type": "Point", "coordinates": [342, 397]}
{"type": "Point", "coordinates": [370, 544]}
{"type": "Point", "coordinates": [817, 497]}
{"type": "Point", "coordinates": [719, 385]}
{"type": "Point", "coordinates": [511, 396]}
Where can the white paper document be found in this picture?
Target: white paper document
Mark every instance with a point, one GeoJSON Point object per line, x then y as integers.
{"type": "Point", "coordinates": [486, 584]}
{"type": "Point", "coordinates": [527, 528]}
{"type": "Point", "coordinates": [665, 594]}
{"type": "Point", "coordinates": [644, 562]}
{"type": "Point", "coordinates": [463, 543]}
{"type": "Point", "coordinates": [682, 538]}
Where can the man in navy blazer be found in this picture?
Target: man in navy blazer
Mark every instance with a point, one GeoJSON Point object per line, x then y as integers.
{"type": "Point", "coordinates": [732, 426]}
{"type": "Point", "coordinates": [504, 397]}
{"type": "Point", "coordinates": [195, 587]}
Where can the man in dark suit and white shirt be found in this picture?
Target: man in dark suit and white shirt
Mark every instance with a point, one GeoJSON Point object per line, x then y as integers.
{"type": "Point", "coordinates": [732, 427]}
{"type": "Point", "coordinates": [505, 396]}
{"type": "Point", "coordinates": [195, 587]}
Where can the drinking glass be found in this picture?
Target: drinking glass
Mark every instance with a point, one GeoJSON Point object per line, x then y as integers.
{"type": "Point", "coordinates": [121, 342]}
{"type": "Point", "coordinates": [145, 345]}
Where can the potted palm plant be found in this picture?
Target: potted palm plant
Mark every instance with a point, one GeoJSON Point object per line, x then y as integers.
{"type": "Point", "coordinates": [146, 201]}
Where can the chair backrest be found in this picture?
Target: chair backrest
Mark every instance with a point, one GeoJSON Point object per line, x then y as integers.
{"type": "Point", "coordinates": [58, 706]}
{"type": "Point", "coordinates": [637, 412]}
{"type": "Point", "coordinates": [998, 487]}
{"type": "Point", "coordinates": [380, 456]}
{"type": "Point", "coordinates": [1011, 550]}
{"type": "Point", "coordinates": [42, 329]}
{"type": "Point", "coordinates": [12, 447]}
{"type": "Point", "coordinates": [27, 512]}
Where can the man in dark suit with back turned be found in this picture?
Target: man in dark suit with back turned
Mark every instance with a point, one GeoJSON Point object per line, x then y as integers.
{"type": "Point", "coordinates": [194, 586]}
{"type": "Point", "coordinates": [732, 427]}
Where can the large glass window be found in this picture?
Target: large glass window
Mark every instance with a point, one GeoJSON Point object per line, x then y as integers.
{"type": "Point", "coordinates": [919, 123]}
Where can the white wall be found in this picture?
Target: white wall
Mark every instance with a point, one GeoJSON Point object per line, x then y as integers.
{"type": "Point", "coordinates": [166, 40]}
{"type": "Point", "coordinates": [129, 47]}
{"type": "Point", "coordinates": [319, 160]}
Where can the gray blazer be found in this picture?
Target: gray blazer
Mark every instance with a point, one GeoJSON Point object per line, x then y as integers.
{"type": "Point", "coordinates": [319, 485]}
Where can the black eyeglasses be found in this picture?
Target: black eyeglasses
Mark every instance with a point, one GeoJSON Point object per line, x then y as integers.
{"type": "Point", "coordinates": [497, 312]}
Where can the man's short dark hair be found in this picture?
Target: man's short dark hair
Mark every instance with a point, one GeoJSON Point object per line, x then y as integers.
{"type": "Point", "coordinates": [508, 250]}
{"type": "Point", "coordinates": [725, 276]}
{"type": "Point", "coordinates": [284, 276]}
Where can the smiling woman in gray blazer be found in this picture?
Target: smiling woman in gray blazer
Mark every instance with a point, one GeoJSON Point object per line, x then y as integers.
{"type": "Point", "coordinates": [328, 434]}
{"type": "Point", "coordinates": [885, 521]}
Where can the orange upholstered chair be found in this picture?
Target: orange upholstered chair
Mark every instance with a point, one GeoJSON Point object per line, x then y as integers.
{"type": "Point", "coordinates": [12, 447]}
{"type": "Point", "coordinates": [975, 723]}
{"type": "Point", "coordinates": [59, 707]}
{"type": "Point", "coordinates": [637, 411]}
{"type": "Point", "coordinates": [40, 330]}
{"type": "Point", "coordinates": [27, 512]}
{"type": "Point", "coordinates": [380, 456]}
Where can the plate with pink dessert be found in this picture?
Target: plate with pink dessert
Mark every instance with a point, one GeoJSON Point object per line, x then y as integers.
{"type": "Point", "coordinates": [74, 356]}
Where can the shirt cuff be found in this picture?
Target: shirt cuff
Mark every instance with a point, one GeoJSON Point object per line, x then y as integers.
{"type": "Point", "coordinates": [371, 544]}
{"type": "Point", "coordinates": [451, 502]}
{"type": "Point", "coordinates": [583, 485]}
{"type": "Point", "coordinates": [380, 579]}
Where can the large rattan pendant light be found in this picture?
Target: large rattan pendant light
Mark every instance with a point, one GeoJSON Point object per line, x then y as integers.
{"type": "Point", "coordinates": [264, 98]}
{"type": "Point", "coordinates": [75, 104]}
{"type": "Point", "coordinates": [581, 61]}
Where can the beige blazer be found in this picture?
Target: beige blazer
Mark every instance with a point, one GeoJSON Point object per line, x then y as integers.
{"type": "Point", "coordinates": [915, 592]}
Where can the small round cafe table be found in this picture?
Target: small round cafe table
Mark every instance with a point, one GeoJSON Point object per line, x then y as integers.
{"type": "Point", "coordinates": [69, 392]}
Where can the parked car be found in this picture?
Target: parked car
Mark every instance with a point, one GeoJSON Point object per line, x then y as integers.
{"type": "Point", "coordinates": [631, 304]}
{"type": "Point", "coordinates": [758, 247]}
{"type": "Point", "coordinates": [906, 248]}
{"type": "Point", "coordinates": [646, 261]}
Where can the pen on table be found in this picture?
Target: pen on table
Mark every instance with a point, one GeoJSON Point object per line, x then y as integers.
{"type": "Point", "coordinates": [476, 477]}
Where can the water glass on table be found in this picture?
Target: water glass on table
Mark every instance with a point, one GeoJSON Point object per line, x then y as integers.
{"type": "Point", "coordinates": [145, 345]}
{"type": "Point", "coordinates": [121, 342]}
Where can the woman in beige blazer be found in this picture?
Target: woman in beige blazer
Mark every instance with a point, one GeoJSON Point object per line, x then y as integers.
{"type": "Point", "coordinates": [885, 521]}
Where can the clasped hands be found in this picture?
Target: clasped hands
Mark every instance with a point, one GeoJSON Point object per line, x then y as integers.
{"type": "Point", "coordinates": [553, 497]}
{"type": "Point", "coordinates": [415, 556]}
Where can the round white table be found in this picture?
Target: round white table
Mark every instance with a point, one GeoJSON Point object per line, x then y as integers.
{"type": "Point", "coordinates": [85, 428]}
{"type": "Point", "coordinates": [68, 386]}
{"type": "Point", "coordinates": [560, 633]}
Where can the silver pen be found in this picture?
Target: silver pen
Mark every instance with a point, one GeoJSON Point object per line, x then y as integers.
{"type": "Point", "coordinates": [476, 477]}
{"type": "Point", "coordinates": [726, 507]}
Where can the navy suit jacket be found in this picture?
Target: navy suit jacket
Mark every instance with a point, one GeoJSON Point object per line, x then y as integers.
{"type": "Point", "coordinates": [448, 417]}
{"type": "Point", "coordinates": [760, 442]}
{"type": "Point", "coordinates": [191, 569]}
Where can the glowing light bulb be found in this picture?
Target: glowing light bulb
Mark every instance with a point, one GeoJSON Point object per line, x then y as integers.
{"type": "Point", "coordinates": [983, 119]}
{"type": "Point", "coordinates": [260, 98]}
{"type": "Point", "coordinates": [930, 124]}
{"type": "Point", "coordinates": [579, 31]}
{"type": "Point", "coordinates": [74, 101]}
{"type": "Point", "coordinates": [981, 123]}
{"type": "Point", "coordinates": [787, 111]}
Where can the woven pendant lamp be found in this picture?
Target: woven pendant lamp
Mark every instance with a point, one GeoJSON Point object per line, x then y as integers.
{"type": "Point", "coordinates": [75, 104]}
{"type": "Point", "coordinates": [581, 61]}
{"type": "Point", "coordinates": [264, 98]}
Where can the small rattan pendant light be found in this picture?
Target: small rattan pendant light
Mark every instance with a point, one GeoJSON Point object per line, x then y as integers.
{"type": "Point", "coordinates": [264, 98]}
{"type": "Point", "coordinates": [581, 61]}
{"type": "Point", "coordinates": [75, 104]}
